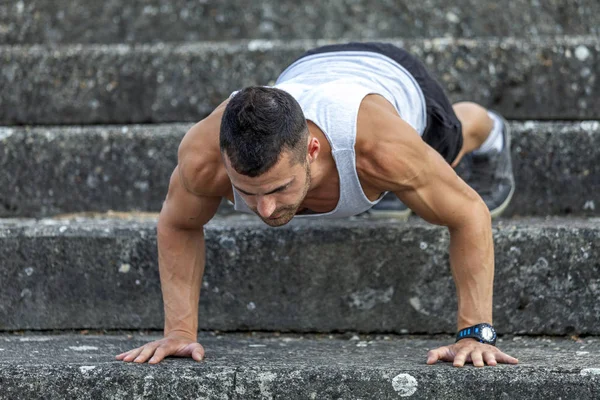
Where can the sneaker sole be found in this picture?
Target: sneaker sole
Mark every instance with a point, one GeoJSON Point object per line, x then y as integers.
{"type": "Point", "coordinates": [403, 215]}
{"type": "Point", "coordinates": [389, 214]}
{"type": "Point", "coordinates": [496, 212]}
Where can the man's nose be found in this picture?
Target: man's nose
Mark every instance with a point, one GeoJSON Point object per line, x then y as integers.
{"type": "Point", "coordinates": [266, 206]}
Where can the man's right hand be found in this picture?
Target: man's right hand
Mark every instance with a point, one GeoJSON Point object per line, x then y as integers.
{"type": "Point", "coordinates": [177, 346]}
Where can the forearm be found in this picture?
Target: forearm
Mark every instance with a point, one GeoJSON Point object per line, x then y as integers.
{"type": "Point", "coordinates": [181, 259]}
{"type": "Point", "coordinates": [472, 264]}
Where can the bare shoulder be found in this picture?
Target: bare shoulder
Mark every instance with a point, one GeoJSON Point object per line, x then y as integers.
{"type": "Point", "coordinates": [199, 158]}
{"type": "Point", "coordinates": [390, 154]}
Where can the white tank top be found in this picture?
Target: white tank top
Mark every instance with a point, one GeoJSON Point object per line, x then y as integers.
{"type": "Point", "coordinates": [330, 88]}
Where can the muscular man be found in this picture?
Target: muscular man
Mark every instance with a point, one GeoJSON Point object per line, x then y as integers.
{"type": "Point", "coordinates": [343, 126]}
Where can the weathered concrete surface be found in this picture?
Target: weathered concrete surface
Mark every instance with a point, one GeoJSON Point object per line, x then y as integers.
{"type": "Point", "coordinates": [68, 169]}
{"type": "Point", "coordinates": [364, 275]}
{"type": "Point", "coordinates": [545, 78]}
{"type": "Point", "coordinates": [294, 367]}
{"type": "Point", "coordinates": [113, 21]}
{"type": "Point", "coordinates": [556, 168]}
{"type": "Point", "coordinates": [54, 170]}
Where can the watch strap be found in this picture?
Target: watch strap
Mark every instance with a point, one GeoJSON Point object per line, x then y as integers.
{"type": "Point", "coordinates": [476, 332]}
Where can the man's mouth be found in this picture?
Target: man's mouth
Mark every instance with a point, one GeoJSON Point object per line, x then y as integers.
{"type": "Point", "coordinates": [280, 214]}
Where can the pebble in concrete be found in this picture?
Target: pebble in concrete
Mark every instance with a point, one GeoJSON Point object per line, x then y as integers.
{"type": "Point", "coordinates": [405, 384]}
{"type": "Point", "coordinates": [590, 371]}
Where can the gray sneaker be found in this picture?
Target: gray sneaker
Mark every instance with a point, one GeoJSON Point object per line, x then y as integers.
{"type": "Point", "coordinates": [491, 175]}
{"type": "Point", "coordinates": [390, 207]}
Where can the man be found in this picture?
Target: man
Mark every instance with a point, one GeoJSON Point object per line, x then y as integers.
{"type": "Point", "coordinates": [343, 126]}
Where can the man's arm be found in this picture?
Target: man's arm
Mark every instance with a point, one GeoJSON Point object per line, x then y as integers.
{"type": "Point", "coordinates": [181, 258]}
{"type": "Point", "coordinates": [403, 163]}
{"type": "Point", "coordinates": [436, 193]}
{"type": "Point", "coordinates": [181, 254]}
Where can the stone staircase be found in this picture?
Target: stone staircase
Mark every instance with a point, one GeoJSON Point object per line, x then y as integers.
{"type": "Point", "coordinates": [95, 99]}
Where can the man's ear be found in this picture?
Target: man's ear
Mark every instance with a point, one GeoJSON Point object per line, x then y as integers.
{"type": "Point", "coordinates": [314, 147]}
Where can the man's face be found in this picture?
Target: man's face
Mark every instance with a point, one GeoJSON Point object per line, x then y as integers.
{"type": "Point", "coordinates": [276, 195]}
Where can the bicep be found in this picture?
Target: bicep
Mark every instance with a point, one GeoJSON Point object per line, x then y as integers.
{"type": "Point", "coordinates": [421, 178]}
{"type": "Point", "coordinates": [396, 159]}
{"type": "Point", "coordinates": [184, 209]}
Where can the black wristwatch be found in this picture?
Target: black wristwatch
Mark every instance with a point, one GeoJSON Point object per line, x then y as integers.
{"type": "Point", "coordinates": [484, 333]}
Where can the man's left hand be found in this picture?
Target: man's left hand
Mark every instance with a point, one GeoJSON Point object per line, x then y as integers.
{"type": "Point", "coordinates": [470, 350]}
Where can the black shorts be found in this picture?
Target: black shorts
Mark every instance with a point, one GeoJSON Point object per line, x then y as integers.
{"type": "Point", "coordinates": [443, 131]}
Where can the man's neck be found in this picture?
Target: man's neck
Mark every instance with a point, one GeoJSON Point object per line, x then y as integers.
{"type": "Point", "coordinates": [323, 193]}
{"type": "Point", "coordinates": [321, 169]}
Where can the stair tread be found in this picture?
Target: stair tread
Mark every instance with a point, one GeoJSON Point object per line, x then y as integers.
{"type": "Point", "coordinates": [297, 367]}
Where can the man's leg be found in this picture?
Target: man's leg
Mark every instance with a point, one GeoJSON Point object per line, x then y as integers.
{"type": "Point", "coordinates": [486, 141]}
{"type": "Point", "coordinates": [476, 127]}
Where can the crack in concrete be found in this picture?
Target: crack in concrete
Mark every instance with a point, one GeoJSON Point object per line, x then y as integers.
{"type": "Point", "coordinates": [234, 390]}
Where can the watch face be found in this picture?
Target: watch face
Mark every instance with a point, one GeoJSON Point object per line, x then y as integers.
{"type": "Point", "coordinates": [487, 333]}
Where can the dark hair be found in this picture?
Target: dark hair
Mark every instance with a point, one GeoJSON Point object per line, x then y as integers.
{"type": "Point", "coordinates": [257, 125]}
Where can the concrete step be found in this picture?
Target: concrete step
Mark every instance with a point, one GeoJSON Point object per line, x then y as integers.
{"type": "Point", "coordinates": [54, 170]}
{"type": "Point", "coordinates": [294, 367]}
{"type": "Point", "coordinates": [544, 78]}
{"type": "Point", "coordinates": [113, 21]}
{"type": "Point", "coordinates": [360, 274]}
